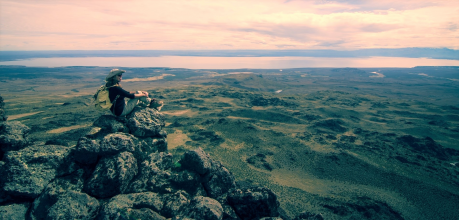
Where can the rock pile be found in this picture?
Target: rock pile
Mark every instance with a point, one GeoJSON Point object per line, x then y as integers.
{"type": "Point", "coordinates": [121, 170]}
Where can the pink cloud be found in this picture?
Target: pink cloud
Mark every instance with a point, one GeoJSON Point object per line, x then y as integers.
{"type": "Point", "coordinates": [236, 24]}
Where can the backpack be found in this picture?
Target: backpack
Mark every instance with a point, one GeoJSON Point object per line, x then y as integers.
{"type": "Point", "coordinates": [101, 99]}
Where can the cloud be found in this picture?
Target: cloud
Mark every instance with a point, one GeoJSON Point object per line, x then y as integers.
{"type": "Point", "coordinates": [236, 24]}
{"type": "Point", "coordinates": [375, 28]}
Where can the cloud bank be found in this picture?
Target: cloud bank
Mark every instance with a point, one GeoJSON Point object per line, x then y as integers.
{"type": "Point", "coordinates": [227, 25]}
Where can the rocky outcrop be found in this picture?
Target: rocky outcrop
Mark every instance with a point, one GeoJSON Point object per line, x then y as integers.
{"type": "Point", "coordinates": [13, 136]}
{"type": "Point", "coordinates": [121, 170]}
{"type": "Point", "coordinates": [28, 171]}
{"type": "Point", "coordinates": [254, 203]}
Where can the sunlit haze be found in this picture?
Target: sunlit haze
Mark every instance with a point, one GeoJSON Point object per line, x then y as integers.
{"type": "Point", "coordinates": [227, 25]}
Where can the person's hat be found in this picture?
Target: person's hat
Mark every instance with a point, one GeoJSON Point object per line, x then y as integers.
{"type": "Point", "coordinates": [114, 72]}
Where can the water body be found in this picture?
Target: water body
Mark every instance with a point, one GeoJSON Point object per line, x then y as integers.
{"type": "Point", "coordinates": [196, 62]}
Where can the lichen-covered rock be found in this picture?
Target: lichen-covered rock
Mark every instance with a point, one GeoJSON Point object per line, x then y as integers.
{"type": "Point", "coordinates": [219, 181]}
{"type": "Point", "coordinates": [112, 175]}
{"type": "Point", "coordinates": [197, 160]}
{"type": "Point", "coordinates": [73, 205]}
{"type": "Point", "coordinates": [253, 203]}
{"type": "Point", "coordinates": [145, 122]}
{"type": "Point", "coordinates": [13, 136]}
{"type": "Point", "coordinates": [53, 192]}
{"type": "Point", "coordinates": [174, 203]}
{"type": "Point", "coordinates": [110, 124]}
{"type": "Point", "coordinates": [121, 206]}
{"type": "Point", "coordinates": [28, 171]}
{"type": "Point", "coordinates": [153, 175]}
{"type": "Point", "coordinates": [159, 144]}
{"type": "Point", "coordinates": [87, 150]}
{"type": "Point", "coordinates": [204, 208]}
{"type": "Point", "coordinates": [117, 142]}
{"type": "Point", "coordinates": [142, 213]}
{"type": "Point", "coordinates": [189, 181]}
{"type": "Point", "coordinates": [14, 211]}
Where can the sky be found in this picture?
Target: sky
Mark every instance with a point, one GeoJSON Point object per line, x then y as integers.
{"type": "Point", "coordinates": [227, 24]}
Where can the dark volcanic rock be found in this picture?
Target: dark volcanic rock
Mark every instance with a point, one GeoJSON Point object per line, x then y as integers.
{"type": "Point", "coordinates": [87, 150]}
{"type": "Point", "coordinates": [14, 211]}
{"type": "Point", "coordinates": [204, 208]}
{"type": "Point", "coordinates": [112, 175]}
{"type": "Point", "coordinates": [197, 160]}
{"type": "Point", "coordinates": [64, 195]}
{"type": "Point", "coordinates": [13, 136]}
{"type": "Point", "coordinates": [73, 205]}
{"type": "Point", "coordinates": [217, 180]}
{"type": "Point", "coordinates": [174, 203]}
{"type": "Point", "coordinates": [189, 181]}
{"type": "Point", "coordinates": [152, 174]}
{"type": "Point", "coordinates": [253, 203]}
{"type": "Point", "coordinates": [159, 144]}
{"type": "Point", "coordinates": [133, 206]}
{"type": "Point", "coordinates": [111, 124]}
{"type": "Point", "coordinates": [27, 172]}
{"type": "Point", "coordinates": [145, 122]}
{"type": "Point", "coordinates": [117, 142]}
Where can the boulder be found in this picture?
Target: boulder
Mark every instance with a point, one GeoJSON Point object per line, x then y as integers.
{"type": "Point", "coordinates": [189, 181]}
{"type": "Point", "coordinates": [111, 124]}
{"type": "Point", "coordinates": [63, 190]}
{"type": "Point", "coordinates": [174, 203]}
{"type": "Point", "coordinates": [27, 172]}
{"type": "Point", "coordinates": [197, 160]}
{"type": "Point", "coordinates": [13, 136]}
{"type": "Point", "coordinates": [204, 208]}
{"type": "Point", "coordinates": [254, 203]}
{"type": "Point", "coordinates": [219, 181]}
{"type": "Point", "coordinates": [87, 150]}
{"type": "Point", "coordinates": [73, 205]}
{"type": "Point", "coordinates": [112, 175]}
{"type": "Point", "coordinates": [159, 144]}
{"type": "Point", "coordinates": [145, 122]}
{"type": "Point", "coordinates": [14, 211]}
{"type": "Point", "coordinates": [117, 142]}
{"type": "Point", "coordinates": [153, 175]}
{"type": "Point", "coordinates": [127, 206]}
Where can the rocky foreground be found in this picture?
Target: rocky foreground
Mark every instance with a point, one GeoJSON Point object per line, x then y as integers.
{"type": "Point", "coordinates": [122, 170]}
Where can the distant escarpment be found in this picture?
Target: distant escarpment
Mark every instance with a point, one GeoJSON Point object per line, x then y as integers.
{"type": "Point", "coordinates": [121, 169]}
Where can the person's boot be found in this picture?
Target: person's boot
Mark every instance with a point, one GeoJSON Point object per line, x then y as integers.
{"type": "Point", "coordinates": [156, 104]}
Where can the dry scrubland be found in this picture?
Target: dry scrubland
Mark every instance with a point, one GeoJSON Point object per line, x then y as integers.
{"type": "Point", "coordinates": [334, 141]}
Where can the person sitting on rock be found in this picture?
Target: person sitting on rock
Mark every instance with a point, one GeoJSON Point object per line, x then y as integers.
{"type": "Point", "coordinates": [121, 107]}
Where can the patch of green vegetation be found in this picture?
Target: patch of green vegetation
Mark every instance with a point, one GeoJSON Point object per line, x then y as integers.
{"type": "Point", "coordinates": [321, 144]}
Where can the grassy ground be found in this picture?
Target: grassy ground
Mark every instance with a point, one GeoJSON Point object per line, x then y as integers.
{"type": "Point", "coordinates": [346, 147]}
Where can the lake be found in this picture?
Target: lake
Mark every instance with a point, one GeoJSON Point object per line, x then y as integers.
{"type": "Point", "coordinates": [196, 62]}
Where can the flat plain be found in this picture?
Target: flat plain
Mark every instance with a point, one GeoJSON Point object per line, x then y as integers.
{"type": "Point", "coordinates": [350, 143]}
